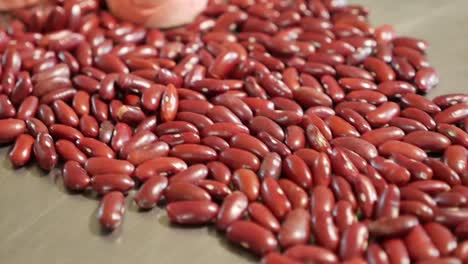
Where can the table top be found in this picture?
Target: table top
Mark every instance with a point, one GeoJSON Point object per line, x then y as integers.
{"type": "Point", "coordinates": [41, 223]}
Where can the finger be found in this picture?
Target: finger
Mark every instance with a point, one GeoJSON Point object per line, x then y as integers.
{"type": "Point", "coordinates": [9, 4]}
{"type": "Point", "coordinates": [157, 13]}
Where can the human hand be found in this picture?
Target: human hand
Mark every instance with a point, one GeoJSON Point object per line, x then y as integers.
{"type": "Point", "coordinates": [157, 13]}
{"type": "Point", "coordinates": [14, 4]}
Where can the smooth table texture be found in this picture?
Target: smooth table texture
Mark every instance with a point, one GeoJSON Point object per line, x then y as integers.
{"type": "Point", "coordinates": [41, 223]}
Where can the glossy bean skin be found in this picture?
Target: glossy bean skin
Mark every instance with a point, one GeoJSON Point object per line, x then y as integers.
{"type": "Point", "coordinates": [10, 129]}
{"type": "Point", "coordinates": [252, 236]}
{"type": "Point", "coordinates": [295, 228]}
{"type": "Point", "coordinates": [192, 212]}
{"type": "Point", "coordinates": [232, 209]}
{"type": "Point", "coordinates": [102, 165]}
{"type": "Point", "coordinates": [184, 191]}
{"type": "Point", "coordinates": [274, 198]}
{"type": "Point", "coordinates": [247, 182]}
{"type": "Point", "coordinates": [44, 151]}
{"type": "Point", "coordinates": [396, 251]}
{"type": "Point", "coordinates": [441, 237]}
{"type": "Point", "coordinates": [111, 210]}
{"type": "Point", "coordinates": [424, 249]}
{"type": "Point", "coordinates": [75, 177]}
{"type": "Point", "coordinates": [151, 192]}
{"type": "Point", "coordinates": [159, 166]}
{"type": "Point", "coordinates": [354, 241]}
{"type": "Point", "coordinates": [21, 152]}
{"type": "Point", "coordinates": [309, 253]}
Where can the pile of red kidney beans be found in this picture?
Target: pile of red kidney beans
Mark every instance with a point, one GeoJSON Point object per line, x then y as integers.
{"type": "Point", "coordinates": [295, 127]}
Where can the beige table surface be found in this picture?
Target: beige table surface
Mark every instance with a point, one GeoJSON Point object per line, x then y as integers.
{"type": "Point", "coordinates": [41, 223]}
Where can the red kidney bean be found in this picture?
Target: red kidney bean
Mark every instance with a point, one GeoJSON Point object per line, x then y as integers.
{"type": "Point", "coordinates": [383, 114]}
{"type": "Point", "coordinates": [106, 130]}
{"type": "Point", "coordinates": [325, 231]}
{"type": "Point", "coordinates": [380, 69]}
{"type": "Point", "coordinates": [105, 183]}
{"type": "Point", "coordinates": [249, 143]}
{"type": "Point", "coordinates": [418, 170]}
{"type": "Point", "coordinates": [368, 96]}
{"type": "Point", "coordinates": [192, 212]}
{"type": "Point", "coordinates": [68, 151]}
{"type": "Point", "coordinates": [341, 128]}
{"type": "Point", "coordinates": [391, 171]}
{"type": "Point", "coordinates": [456, 157]}
{"type": "Point", "coordinates": [193, 153]}
{"type": "Point", "coordinates": [22, 89]}
{"type": "Point", "coordinates": [443, 172]}
{"type": "Point", "coordinates": [404, 70]}
{"type": "Point", "coordinates": [295, 228]}
{"type": "Point", "coordinates": [450, 199]}
{"type": "Point", "coordinates": [20, 154]}
{"type": "Point", "coordinates": [75, 178]}
{"type": "Point", "coordinates": [342, 190]}
{"type": "Point", "coordinates": [375, 254]}
{"type": "Point", "coordinates": [367, 197]}
{"type": "Point", "coordinates": [274, 198]}
{"type": "Point", "coordinates": [297, 170]}
{"type": "Point", "coordinates": [419, 245]}
{"type": "Point", "coordinates": [270, 166]}
{"type": "Point", "coordinates": [65, 132]}
{"type": "Point", "coordinates": [343, 215]}
{"type": "Point", "coordinates": [417, 101]}
{"type": "Point", "coordinates": [308, 253]}
{"type": "Point", "coordinates": [396, 251]}
{"type": "Point", "coordinates": [378, 136]}
{"type": "Point", "coordinates": [136, 141]}
{"type": "Point", "coordinates": [111, 210]}
{"type": "Point", "coordinates": [184, 191]}
{"type": "Point", "coordinates": [455, 134]}
{"type": "Point", "coordinates": [159, 166]}
{"type": "Point", "coordinates": [246, 181]}
{"type": "Point", "coordinates": [224, 130]}
{"type": "Point", "coordinates": [361, 108]}
{"type": "Point", "coordinates": [395, 88]}
{"type": "Point", "coordinates": [89, 126]}
{"type": "Point", "coordinates": [263, 216]}
{"type": "Point", "coordinates": [407, 125]}
{"type": "Point", "coordinates": [393, 147]}
{"type": "Point", "coordinates": [252, 236]}
{"type": "Point", "coordinates": [448, 100]}
{"type": "Point", "coordinates": [452, 114]}
{"type": "Point", "coordinates": [102, 165]}
{"type": "Point", "coordinates": [295, 194]}
{"type": "Point", "coordinates": [238, 158]}
{"type": "Point", "coordinates": [274, 257]}
{"type": "Point", "coordinates": [231, 210]}
{"type": "Point", "coordinates": [151, 192]}
{"type": "Point", "coordinates": [44, 151]}
{"type": "Point", "coordinates": [346, 71]}
{"type": "Point", "coordinates": [99, 109]}
{"type": "Point", "coordinates": [422, 211]}
{"type": "Point", "coordinates": [342, 165]}
{"type": "Point", "coordinates": [388, 203]}
{"type": "Point", "coordinates": [426, 78]}
{"type": "Point", "coordinates": [81, 101]}
{"type": "Point", "coordinates": [354, 241]}
{"type": "Point", "coordinates": [7, 110]}
{"type": "Point", "coordinates": [361, 147]}
{"type": "Point", "coordinates": [94, 148]}
{"type": "Point", "coordinates": [441, 237]}
{"type": "Point", "coordinates": [175, 127]}
{"type": "Point", "coordinates": [388, 227]}
{"type": "Point", "coordinates": [428, 140]}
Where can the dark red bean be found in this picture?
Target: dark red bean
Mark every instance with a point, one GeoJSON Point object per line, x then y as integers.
{"type": "Point", "coordinates": [105, 183]}
{"type": "Point", "coordinates": [428, 140]}
{"type": "Point", "coordinates": [159, 166]}
{"type": "Point", "coordinates": [443, 172]}
{"type": "Point", "coordinates": [456, 157]}
{"type": "Point", "coordinates": [342, 190]}
{"type": "Point", "coordinates": [231, 210]}
{"type": "Point", "coordinates": [343, 215]}
{"type": "Point", "coordinates": [238, 158]}
{"type": "Point", "coordinates": [455, 134]}
{"type": "Point", "coordinates": [75, 177]}
{"type": "Point", "coordinates": [102, 165]}
{"type": "Point", "coordinates": [184, 191]}
{"type": "Point", "coordinates": [388, 227]}
{"type": "Point", "coordinates": [247, 182]}
{"type": "Point", "coordinates": [94, 148]}
{"type": "Point", "coordinates": [419, 245]}
{"type": "Point", "coordinates": [252, 236]}
{"type": "Point", "coordinates": [295, 228]}
{"type": "Point", "coordinates": [308, 253]}
{"type": "Point", "coordinates": [193, 153]}
{"type": "Point", "coordinates": [192, 212]}
{"type": "Point", "coordinates": [68, 151]}
{"type": "Point", "coordinates": [354, 241]}
{"type": "Point", "coordinates": [389, 203]}
{"type": "Point", "coordinates": [396, 251]}
{"type": "Point", "coordinates": [378, 136]}
{"type": "Point", "coordinates": [20, 154]}
{"type": "Point", "coordinates": [111, 210]}
{"type": "Point", "coordinates": [44, 151]}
